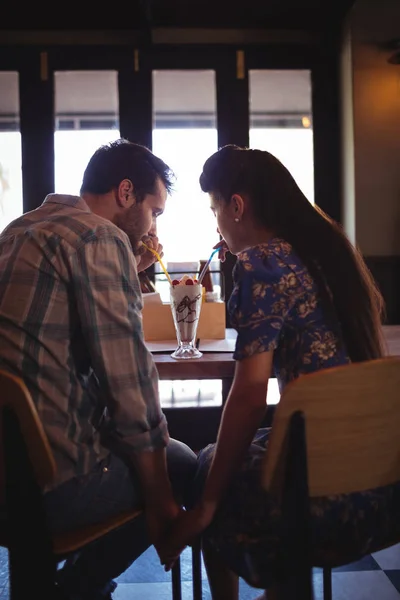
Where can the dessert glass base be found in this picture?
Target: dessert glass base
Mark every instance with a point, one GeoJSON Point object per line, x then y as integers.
{"type": "Point", "coordinates": [186, 350]}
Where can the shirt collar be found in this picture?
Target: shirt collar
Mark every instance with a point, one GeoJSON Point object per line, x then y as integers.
{"type": "Point", "coordinates": [75, 201]}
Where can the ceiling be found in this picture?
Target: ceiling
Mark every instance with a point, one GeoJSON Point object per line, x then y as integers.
{"type": "Point", "coordinates": [309, 15]}
{"type": "Point", "coordinates": [269, 14]}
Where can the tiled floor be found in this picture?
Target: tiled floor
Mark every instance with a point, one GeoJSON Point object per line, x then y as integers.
{"type": "Point", "coordinates": [376, 577]}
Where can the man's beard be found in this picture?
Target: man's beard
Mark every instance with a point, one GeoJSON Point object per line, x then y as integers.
{"type": "Point", "coordinates": [128, 224]}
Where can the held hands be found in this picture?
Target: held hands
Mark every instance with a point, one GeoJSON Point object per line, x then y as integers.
{"type": "Point", "coordinates": [223, 249]}
{"type": "Point", "coordinates": [144, 257]}
{"type": "Point", "coordinates": [183, 532]}
{"type": "Point", "coordinates": [160, 518]}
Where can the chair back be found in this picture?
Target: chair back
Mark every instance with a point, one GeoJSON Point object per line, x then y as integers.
{"type": "Point", "coordinates": [15, 397]}
{"type": "Point", "coordinates": [352, 422]}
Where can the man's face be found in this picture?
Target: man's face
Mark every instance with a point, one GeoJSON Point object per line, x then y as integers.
{"type": "Point", "coordinates": [140, 219]}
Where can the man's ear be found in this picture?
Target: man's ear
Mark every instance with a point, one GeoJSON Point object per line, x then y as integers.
{"type": "Point", "coordinates": [125, 194]}
{"type": "Point", "coordinates": [237, 205]}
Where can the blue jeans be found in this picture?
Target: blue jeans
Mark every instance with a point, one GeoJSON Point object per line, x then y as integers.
{"type": "Point", "coordinates": [109, 489]}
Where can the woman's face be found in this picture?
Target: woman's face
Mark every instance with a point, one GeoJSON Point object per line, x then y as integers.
{"type": "Point", "coordinates": [226, 224]}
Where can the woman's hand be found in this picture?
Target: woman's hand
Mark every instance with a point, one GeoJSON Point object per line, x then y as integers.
{"type": "Point", "coordinates": [144, 257]}
{"type": "Point", "coordinates": [160, 518]}
{"type": "Point", "coordinates": [223, 249]}
{"type": "Point", "coordinates": [184, 531]}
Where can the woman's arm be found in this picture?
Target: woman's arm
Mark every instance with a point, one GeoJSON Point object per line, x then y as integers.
{"type": "Point", "coordinates": [241, 417]}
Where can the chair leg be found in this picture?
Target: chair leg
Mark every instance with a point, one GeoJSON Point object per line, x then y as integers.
{"type": "Point", "coordinates": [196, 570]}
{"type": "Point", "coordinates": [327, 583]}
{"type": "Point", "coordinates": [176, 580]}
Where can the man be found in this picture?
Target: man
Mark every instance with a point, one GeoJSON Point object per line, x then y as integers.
{"type": "Point", "coordinates": [70, 325]}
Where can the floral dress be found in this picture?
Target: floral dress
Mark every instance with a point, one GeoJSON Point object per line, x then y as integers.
{"type": "Point", "coordinates": [275, 305]}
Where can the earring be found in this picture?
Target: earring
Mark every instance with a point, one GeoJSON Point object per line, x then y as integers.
{"type": "Point", "coordinates": [237, 219]}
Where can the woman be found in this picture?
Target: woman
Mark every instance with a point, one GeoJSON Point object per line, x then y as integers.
{"type": "Point", "coordinates": [303, 300]}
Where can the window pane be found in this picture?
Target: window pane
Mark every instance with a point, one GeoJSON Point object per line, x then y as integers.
{"type": "Point", "coordinates": [87, 116]}
{"type": "Point", "coordinates": [281, 121]}
{"type": "Point", "coordinates": [185, 135]}
{"type": "Point", "coordinates": [195, 394]}
{"type": "Point", "coordinates": [11, 205]}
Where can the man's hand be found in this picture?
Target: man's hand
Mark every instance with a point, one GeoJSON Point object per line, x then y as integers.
{"type": "Point", "coordinates": [144, 257]}
{"type": "Point", "coordinates": [183, 532]}
{"type": "Point", "coordinates": [160, 517]}
{"type": "Point", "coordinates": [161, 508]}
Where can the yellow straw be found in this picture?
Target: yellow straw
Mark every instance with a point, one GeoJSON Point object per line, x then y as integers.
{"type": "Point", "coordinates": [158, 257]}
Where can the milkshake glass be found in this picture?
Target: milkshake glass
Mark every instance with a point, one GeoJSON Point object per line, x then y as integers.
{"type": "Point", "coordinates": [186, 303]}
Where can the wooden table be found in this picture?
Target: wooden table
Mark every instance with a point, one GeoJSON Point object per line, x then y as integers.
{"type": "Point", "coordinates": [212, 365]}
{"type": "Point", "coordinates": [198, 426]}
{"type": "Point", "coordinates": [220, 365]}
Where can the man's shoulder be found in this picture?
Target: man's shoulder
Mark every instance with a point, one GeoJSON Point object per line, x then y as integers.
{"type": "Point", "coordinates": [69, 224]}
{"type": "Point", "coordinates": [87, 226]}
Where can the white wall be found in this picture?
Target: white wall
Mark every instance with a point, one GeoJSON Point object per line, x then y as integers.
{"type": "Point", "coordinates": [347, 136]}
{"type": "Point", "coordinates": [372, 174]}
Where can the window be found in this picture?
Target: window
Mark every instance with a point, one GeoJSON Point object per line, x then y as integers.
{"type": "Point", "coordinates": [281, 121]}
{"type": "Point", "coordinates": [185, 135]}
{"type": "Point", "coordinates": [86, 107]}
{"type": "Point", "coordinates": [11, 205]}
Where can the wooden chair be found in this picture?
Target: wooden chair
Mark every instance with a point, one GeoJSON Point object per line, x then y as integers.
{"type": "Point", "coordinates": [334, 432]}
{"type": "Point", "coordinates": [27, 466]}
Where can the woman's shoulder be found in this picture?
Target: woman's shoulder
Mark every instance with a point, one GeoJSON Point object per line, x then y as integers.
{"type": "Point", "coordinates": [274, 257]}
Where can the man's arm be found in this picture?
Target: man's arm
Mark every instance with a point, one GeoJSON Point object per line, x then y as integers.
{"type": "Point", "coordinates": [109, 303]}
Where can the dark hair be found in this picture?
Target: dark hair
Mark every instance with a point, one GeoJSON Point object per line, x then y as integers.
{"type": "Point", "coordinates": [347, 288]}
{"type": "Point", "coordinates": [122, 159]}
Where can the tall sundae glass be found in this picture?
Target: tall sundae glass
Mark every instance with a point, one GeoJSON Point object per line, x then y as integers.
{"type": "Point", "coordinates": [186, 300]}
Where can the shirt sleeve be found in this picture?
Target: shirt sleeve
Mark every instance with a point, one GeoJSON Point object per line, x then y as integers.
{"type": "Point", "coordinates": [262, 297]}
{"type": "Point", "coordinates": [109, 304]}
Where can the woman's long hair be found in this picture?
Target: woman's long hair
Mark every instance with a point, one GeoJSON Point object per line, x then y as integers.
{"type": "Point", "coordinates": [348, 291]}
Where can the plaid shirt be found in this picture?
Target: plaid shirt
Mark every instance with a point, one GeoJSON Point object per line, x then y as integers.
{"type": "Point", "coordinates": [70, 326]}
